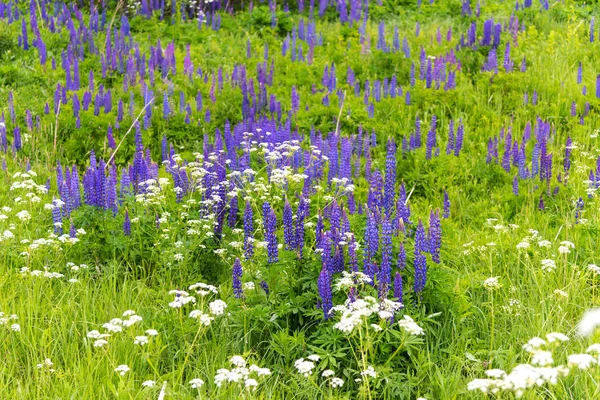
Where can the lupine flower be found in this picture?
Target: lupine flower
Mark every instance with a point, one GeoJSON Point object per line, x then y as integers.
{"type": "Point", "coordinates": [237, 279]}
{"type": "Point", "coordinates": [568, 151]}
{"type": "Point", "coordinates": [435, 236]}
{"type": "Point", "coordinates": [264, 286]}
{"type": "Point", "coordinates": [324, 284]}
{"type": "Point", "coordinates": [420, 264]}
{"type": "Point", "coordinates": [421, 244]}
{"type": "Point", "coordinates": [288, 226]}
{"type": "Point", "coordinates": [446, 213]}
{"type": "Point", "coordinates": [398, 287]}
{"type": "Point", "coordinates": [384, 274]}
{"type": "Point", "coordinates": [127, 224]}
{"type": "Point", "coordinates": [390, 178]}
{"type": "Point", "coordinates": [248, 231]}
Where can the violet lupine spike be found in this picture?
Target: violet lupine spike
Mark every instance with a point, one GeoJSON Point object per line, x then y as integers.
{"type": "Point", "coordinates": [390, 178]}
{"type": "Point", "coordinates": [435, 236]}
{"type": "Point", "coordinates": [398, 287]}
{"type": "Point", "coordinates": [301, 214]}
{"type": "Point", "coordinates": [264, 286]}
{"type": "Point", "coordinates": [420, 265]}
{"type": "Point", "coordinates": [324, 285]}
{"type": "Point", "coordinates": [451, 140]}
{"type": "Point", "coordinates": [568, 151]}
{"type": "Point", "coordinates": [541, 205]}
{"type": "Point", "coordinates": [402, 257]}
{"type": "Point", "coordinates": [288, 226]}
{"type": "Point", "coordinates": [271, 238]}
{"type": "Point", "coordinates": [232, 216]}
{"type": "Point", "coordinates": [237, 279]}
{"type": "Point", "coordinates": [446, 213]}
{"type": "Point", "coordinates": [421, 244]}
{"type": "Point", "coordinates": [384, 274]}
{"type": "Point", "coordinates": [127, 224]}
{"type": "Point", "coordinates": [72, 231]}
{"type": "Point", "coordinates": [57, 217]}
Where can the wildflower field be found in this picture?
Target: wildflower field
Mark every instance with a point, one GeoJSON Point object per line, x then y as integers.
{"type": "Point", "coordinates": [349, 199]}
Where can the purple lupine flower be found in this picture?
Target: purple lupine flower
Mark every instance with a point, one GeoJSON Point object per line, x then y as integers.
{"type": "Point", "coordinates": [166, 106]}
{"type": "Point", "coordinates": [352, 254]}
{"type": "Point", "coordinates": [579, 74]}
{"type": "Point", "coordinates": [435, 236]}
{"type": "Point", "coordinates": [110, 138]}
{"type": "Point", "coordinates": [431, 138]}
{"type": "Point", "coordinates": [385, 271]}
{"type": "Point", "coordinates": [592, 23]}
{"type": "Point", "coordinates": [271, 238]}
{"type": "Point", "coordinates": [17, 138]}
{"type": "Point", "coordinates": [524, 64]}
{"type": "Point", "coordinates": [288, 226]}
{"type": "Point", "coordinates": [515, 185]}
{"type": "Point", "coordinates": [319, 231]}
{"type": "Point", "coordinates": [446, 213]}
{"type": "Point", "coordinates": [417, 132]}
{"type": "Point", "coordinates": [421, 244]}
{"type": "Point", "coordinates": [568, 151]}
{"type": "Point", "coordinates": [237, 279]}
{"type": "Point", "coordinates": [390, 178]}
{"type": "Point", "coordinates": [598, 86]}
{"type": "Point", "coordinates": [451, 140]}
{"type": "Point", "coordinates": [420, 265]}
{"type": "Point", "coordinates": [398, 287]}
{"type": "Point", "coordinates": [264, 286]}
{"type": "Point", "coordinates": [324, 284]}
{"type": "Point", "coordinates": [402, 257]}
{"type": "Point", "coordinates": [508, 64]}
{"type": "Point", "coordinates": [57, 218]}
{"type": "Point", "coordinates": [541, 205]}
{"type": "Point", "coordinates": [301, 214]}
{"type": "Point", "coordinates": [127, 224]}
{"type": "Point", "coordinates": [72, 231]}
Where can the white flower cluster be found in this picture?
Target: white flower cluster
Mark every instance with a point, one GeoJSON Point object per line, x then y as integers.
{"type": "Point", "coordinates": [5, 320]}
{"type": "Point", "coordinates": [181, 298]}
{"type": "Point", "coordinates": [46, 365]}
{"type": "Point", "coordinates": [241, 374]}
{"type": "Point", "coordinates": [352, 279]}
{"type": "Point", "coordinates": [548, 265]}
{"type": "Point", "coordinates": [528, 376]}
{"type": "Point", "coordinates": [354, 313]}
{"type": "Point", "coordinates": [46, 273]}
{"type": "Point", "coordinates": [305, 367]}
{"type": "Point", "coordinates": [492, 283]}
{"type": "Point", "coordinates": [216, 308]}
{"type": "Point", "coordinates": [117, 325]}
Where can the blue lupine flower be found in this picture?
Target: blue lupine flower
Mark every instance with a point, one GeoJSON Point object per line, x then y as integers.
{"type": "Point", "coordinates": [324, 284]}
{"type": "Point", "coordinates": [127, 224]}
{"type": "Point", "coordinates": [398, 287]}
{"type": "Point", "coordinates": [237, 279]}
